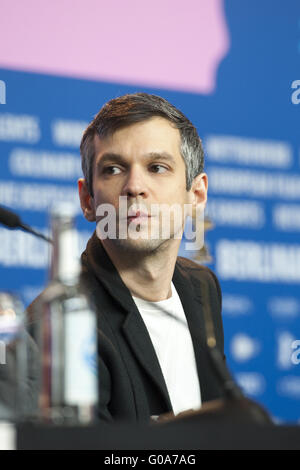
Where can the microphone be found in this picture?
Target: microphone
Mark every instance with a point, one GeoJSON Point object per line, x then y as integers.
{"type": "Point", "coordinates": [12, 221]}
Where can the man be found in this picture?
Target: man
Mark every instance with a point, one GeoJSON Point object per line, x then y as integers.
{"type": "Point", "coordinates": [152, 356]}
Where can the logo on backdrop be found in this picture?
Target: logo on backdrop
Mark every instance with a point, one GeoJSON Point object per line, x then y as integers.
{"type": "Point", "coordinates": [252, 383]}
{"type": "Point", "coordinates": [244, 348]}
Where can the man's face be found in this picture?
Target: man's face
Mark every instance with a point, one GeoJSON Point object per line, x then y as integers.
{"type": "Point", "coordinates": [142, 164]}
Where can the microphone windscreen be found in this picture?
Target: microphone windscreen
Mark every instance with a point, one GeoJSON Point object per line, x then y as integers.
{"type": "Point", "coordinates": [8, 218]}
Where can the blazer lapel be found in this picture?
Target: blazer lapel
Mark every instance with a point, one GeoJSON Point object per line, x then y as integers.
{"type": "Point", "coordinates": [140, 342]}
{"type": "Point", "coordinates": [190, 296]}
{"type": "Point", "coordinates": [133, 327]}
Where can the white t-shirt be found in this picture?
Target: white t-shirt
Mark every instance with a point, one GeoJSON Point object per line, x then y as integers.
{"type": "Point", "coordinates": [174, 348]}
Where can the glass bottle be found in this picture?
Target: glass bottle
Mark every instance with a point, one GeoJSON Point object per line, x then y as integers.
{"type": "Point", "coordinates": [66, 332]}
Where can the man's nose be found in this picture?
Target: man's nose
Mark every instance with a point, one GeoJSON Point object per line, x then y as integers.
{"type": "Point", "coordinates": [135, 184]}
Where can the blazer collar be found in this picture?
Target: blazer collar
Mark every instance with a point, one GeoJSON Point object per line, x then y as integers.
{"type": "Point", "coordinates": [103, 268]}
{"type": "Point", "coordinates": [97, 260]}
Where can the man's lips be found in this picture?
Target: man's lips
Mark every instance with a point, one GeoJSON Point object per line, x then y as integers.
{"type": "Point", "coordinates": [135, 216]}
{"type": "Point", "coordinates": [138, 214]}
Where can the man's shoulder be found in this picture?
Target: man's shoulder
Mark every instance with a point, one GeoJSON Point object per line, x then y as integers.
{"type": "Point", "coordinates": [194, 269]}
{"type": "Point", "coordinates": [199, 274]}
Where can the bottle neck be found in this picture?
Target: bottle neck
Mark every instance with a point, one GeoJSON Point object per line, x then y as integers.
{"type": "Point", "coordinates": [65, 264]}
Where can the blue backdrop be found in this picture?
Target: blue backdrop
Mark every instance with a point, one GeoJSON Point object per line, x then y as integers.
{"type": "Point", "coordinates": [250, 129]}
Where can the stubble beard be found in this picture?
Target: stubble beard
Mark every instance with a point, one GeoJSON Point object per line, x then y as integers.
{"type": "Point", "coordinates": [139, 247]}
{"type": "Point", "coordinates": [144, 245]}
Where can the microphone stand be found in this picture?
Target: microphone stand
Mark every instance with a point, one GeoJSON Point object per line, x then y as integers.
{"type": "Point", "coordinates": [234, 406]}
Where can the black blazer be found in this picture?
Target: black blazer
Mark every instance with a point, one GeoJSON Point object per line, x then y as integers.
{"type": "Point", "coordinates": [131, 383]}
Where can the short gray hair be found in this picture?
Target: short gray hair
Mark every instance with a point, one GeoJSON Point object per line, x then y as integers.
{"type": "Point", "coordinates": [132, 108]}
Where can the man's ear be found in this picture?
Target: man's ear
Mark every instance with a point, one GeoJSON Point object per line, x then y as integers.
{"type": "Point", "coordinates": [86, 201]}
{"type": "Point", "coordinates": [198, 191]}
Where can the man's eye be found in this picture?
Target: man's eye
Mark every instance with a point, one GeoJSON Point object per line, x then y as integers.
{"type": "Point", "coordinates": [158, 168]}
{"type": "Point", "coordinates": [111, 170]}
